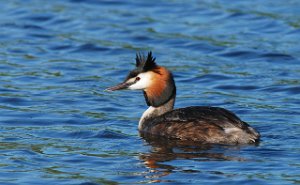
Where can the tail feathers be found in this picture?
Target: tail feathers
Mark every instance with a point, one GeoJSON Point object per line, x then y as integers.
{"type": "Point", "coordinates": [242, 136]}
{"type": "Point", "coordinates": [255, 136]}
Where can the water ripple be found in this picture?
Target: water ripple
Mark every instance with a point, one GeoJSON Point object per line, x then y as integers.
{"type": "Point", "coordinates": [39, 18]}
{"type": "Point", "coordinates": [90, 48]}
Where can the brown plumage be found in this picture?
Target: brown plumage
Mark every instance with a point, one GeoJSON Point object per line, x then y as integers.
{"type": "Point", "coordinates": [159, 90]}
{"type": "Point", "coordinates": [203, 124]}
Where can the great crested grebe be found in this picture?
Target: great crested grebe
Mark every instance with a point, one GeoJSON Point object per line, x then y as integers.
{"type": "Point", "coordinates": [197, 123]}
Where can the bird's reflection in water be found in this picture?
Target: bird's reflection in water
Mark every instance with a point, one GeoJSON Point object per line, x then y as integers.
{"type": "Point", "coordinates": [163, 150]}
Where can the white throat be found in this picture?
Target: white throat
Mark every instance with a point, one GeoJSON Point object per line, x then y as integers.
{"type": "Point", "coordinates": [153, 112]}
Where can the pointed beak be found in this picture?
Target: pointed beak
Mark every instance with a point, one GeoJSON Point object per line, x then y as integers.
{"type": "Point", "coordinates": [120, 86]}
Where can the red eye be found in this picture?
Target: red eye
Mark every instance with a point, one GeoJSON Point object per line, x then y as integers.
{"type": "Point", "coordinates": [137, 78]}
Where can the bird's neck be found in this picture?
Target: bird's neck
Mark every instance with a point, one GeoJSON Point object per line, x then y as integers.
{"type": "Point", "coordinates": [153, 112]}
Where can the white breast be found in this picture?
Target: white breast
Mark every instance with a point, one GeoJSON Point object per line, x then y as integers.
{"type": "Point", "coordinates": [147, 114]}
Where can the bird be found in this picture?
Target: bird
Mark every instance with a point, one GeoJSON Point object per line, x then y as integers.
{"type": "Point", "coordinates": [201, 124]}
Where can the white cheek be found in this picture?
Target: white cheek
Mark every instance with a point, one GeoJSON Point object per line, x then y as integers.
{"type": "Point", "coordinates": [143, 83]}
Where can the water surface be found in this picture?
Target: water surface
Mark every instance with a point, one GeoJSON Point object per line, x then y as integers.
{"type": "Point", "coordinates": [58, 126]}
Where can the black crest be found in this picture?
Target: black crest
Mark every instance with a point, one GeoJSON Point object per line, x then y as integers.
{"type": "Point", "coordinates": [144, 63]}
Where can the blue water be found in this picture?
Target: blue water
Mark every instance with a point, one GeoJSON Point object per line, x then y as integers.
{"type": "Point", "coordinates": [57, 126]}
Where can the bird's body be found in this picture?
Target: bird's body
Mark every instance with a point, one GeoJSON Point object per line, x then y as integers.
{"type": "Point", "coordinates": [198, 123]}
{"type": "Point", "coordinates": [203, 124]}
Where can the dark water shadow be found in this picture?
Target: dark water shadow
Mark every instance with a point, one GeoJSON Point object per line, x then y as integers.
{"type": "Point", "coordinates": [167, 150]}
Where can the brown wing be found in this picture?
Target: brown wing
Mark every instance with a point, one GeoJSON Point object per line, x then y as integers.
{"type": "Point", "coordinates": [215, 115]}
